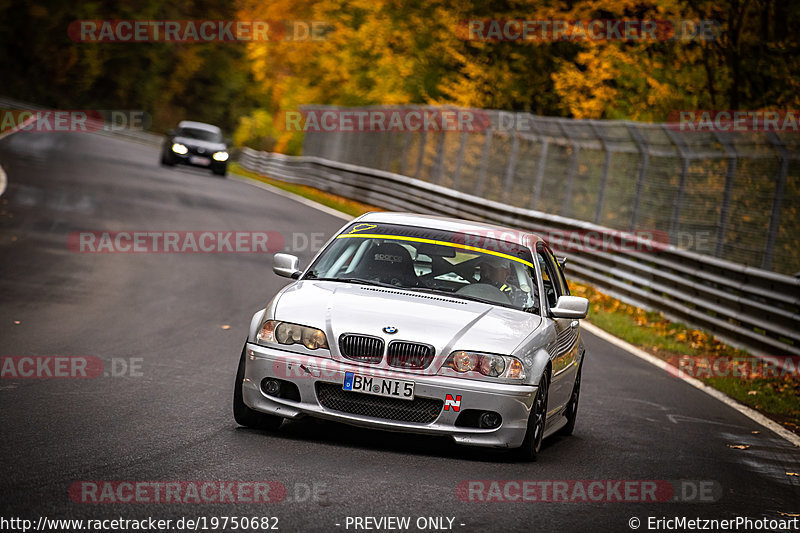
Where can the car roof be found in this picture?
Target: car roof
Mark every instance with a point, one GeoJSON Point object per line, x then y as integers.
{"type": "Point", "coordinates": [456, 225]}
{"type": "Point", "coordinates": [198, 126]}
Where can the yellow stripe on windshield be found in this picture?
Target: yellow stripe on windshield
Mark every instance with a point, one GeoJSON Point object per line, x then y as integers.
{"type": "Point", "coordinates": [431, 241]}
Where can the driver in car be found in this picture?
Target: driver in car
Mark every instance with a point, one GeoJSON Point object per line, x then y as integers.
{"type": "Point", "coordinates": [497, 273]}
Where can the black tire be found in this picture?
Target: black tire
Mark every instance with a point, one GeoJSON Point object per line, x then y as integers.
{"type": "Point", "coordinates": [167, 161]}
{"type": "Point", "coordinates": [529, 451]}
{"type": "Point", "coordinates": [220, 171]}
{"type": "Point", "coordinates": [242, 413]}
{"type": "Point", "coordinates": [572, 407]}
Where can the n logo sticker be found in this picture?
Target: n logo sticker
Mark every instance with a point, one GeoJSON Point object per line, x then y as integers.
{"type": "Point", "coordinates": [450, 402]}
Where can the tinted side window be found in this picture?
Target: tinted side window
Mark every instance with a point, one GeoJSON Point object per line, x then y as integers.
{"type": "Point", "coordinates": [562, 281]}
{"type": "Point", "coordinates": [550, 277]}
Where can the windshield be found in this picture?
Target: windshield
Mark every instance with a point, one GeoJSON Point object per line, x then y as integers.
{"type": "Point", "coordinates": [203, 135]}
{"type": "Point", "coordinates": [421, 259]}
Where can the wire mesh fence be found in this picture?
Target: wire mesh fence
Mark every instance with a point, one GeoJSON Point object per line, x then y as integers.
{"type": "Point", "coordinates": [735, 196]}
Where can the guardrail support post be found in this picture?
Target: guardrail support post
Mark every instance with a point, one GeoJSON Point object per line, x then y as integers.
{"type": "Point", "coordinates": [344, 154]}
{"type": "Point", "coordinates": [462, 144]}
{"type": "Point", "coordinates": [644, 162]}
{"type": "Point", "coordinates": [725, 208]}
{"type": "Point", "coordinates": [487, 144]}
{"type": "Point", "coordinates": [337, 148]}
{"type": "Point", "coordinates": [404, 153]}
{"type": "Point", "coordinates": [777, 200]}
{"type": "Point", "coordinates": [438, 169]}
{"type": "Point", "coordinates": [573, 168]}
{"type": "Point", "coordinates": [674, 219]}
{"type": "Point", "coordinates": [511, 168]}
{"type": "Point", "coordinates": [386, 144]}
{"type": "Point", "coordinates": [601, 195]}
{"type": "Point", "coordinates": [540, 166]}
{"type": "Point", "coordinates": [423, 140]}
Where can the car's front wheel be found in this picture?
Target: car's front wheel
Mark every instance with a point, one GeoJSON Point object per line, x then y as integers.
{"type": "Point", "coordinates": [572, 407]}
{"type": "Point", "coordinates": [166, 160]}
{"type": "Point", "coordinates": [242, 413]}
{"type": "Point", "coordinates": [532, 444]}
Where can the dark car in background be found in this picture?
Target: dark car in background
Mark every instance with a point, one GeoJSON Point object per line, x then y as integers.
{"type": "Point", "coordinates": [196, 144]}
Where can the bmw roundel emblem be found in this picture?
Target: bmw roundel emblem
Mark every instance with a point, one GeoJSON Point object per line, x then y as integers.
{"type": "Point", "coordinates": [391, 330]}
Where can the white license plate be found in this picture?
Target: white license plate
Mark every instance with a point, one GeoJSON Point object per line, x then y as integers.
{"type": "Point", "coordinates": [391, 388]}
{"type": "Point", "coordinates": [195, 160]}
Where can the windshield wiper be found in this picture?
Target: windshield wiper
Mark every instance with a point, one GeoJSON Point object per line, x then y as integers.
{"type": "Point", "coordinates": [360, 281]}
{"type": "Point", "coordinates": [416, 289]}
{"type": "Point", "coordinates": [453, 295]}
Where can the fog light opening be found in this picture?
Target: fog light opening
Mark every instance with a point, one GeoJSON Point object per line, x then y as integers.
{"type": "Point", "coordinates": [271, 387]}
{"type": "Point", "coordinates": [489, 420]}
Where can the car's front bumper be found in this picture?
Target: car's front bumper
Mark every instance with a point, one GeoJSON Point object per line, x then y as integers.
{"type": "Point", "coordinates": [512, 402]}
{"type": "Point", "coordinates": [195, 160]}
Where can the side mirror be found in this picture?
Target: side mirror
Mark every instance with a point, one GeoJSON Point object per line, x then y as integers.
{"type": "Point", "coordinates": [286, 265]}
{"type": "Point", "coordinates": [562, 261]}
{"type": "Point", "coordinates": [570, 307]}
{"type": "Point", "coordinates": [171, 133]}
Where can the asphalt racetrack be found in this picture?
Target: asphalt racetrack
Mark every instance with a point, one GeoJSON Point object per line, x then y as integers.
{"type": "Point", "coordinates": [168, 329]}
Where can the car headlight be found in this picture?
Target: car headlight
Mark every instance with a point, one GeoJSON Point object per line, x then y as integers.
{"type": "Point", "coordinates": [276, 332]}
{"type": "Point", "coordinates": [220, 156]}
{"type": "Point", "coordinates": [178, 148]}
{"type": "Point", "coordinates": [493, 365]}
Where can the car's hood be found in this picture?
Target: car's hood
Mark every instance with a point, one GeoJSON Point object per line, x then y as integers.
{"type": "Point", "coordinates": [197, 143]}
{"type": "Point", "coordinates": [446, 323]}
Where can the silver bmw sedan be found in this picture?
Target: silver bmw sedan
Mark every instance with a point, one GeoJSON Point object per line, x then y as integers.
{"type": "Point", "coordinates": [420, 324]}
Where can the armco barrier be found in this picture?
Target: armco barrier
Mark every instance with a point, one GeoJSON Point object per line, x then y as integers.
{"type": "Point", "coordinates": [748, 307]}
{"type": "Point", "coordinates": [139, 136]}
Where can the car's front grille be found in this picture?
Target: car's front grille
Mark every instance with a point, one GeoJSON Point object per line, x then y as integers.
{"type": "Point", "coordinates": [199, 151]}
{"type": "Point", "coordinates": [361, 348]}
{"type": "Point", "coordinates": [410, 355]}
{"type": "Point", "coordinates": [418, 410]}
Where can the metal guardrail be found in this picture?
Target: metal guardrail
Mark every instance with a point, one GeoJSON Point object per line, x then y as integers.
{"type": "Point", "coordinates": [95, 126]}
{"type": "Point", "coordinates": [748, 307]}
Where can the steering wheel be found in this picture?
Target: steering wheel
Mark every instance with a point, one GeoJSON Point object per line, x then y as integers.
{"type": "Point", "coordinates": [484, 291]}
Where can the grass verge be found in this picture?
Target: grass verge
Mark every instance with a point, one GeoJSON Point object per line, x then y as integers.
{"type": "Point", "coordinates": [727, 369]}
